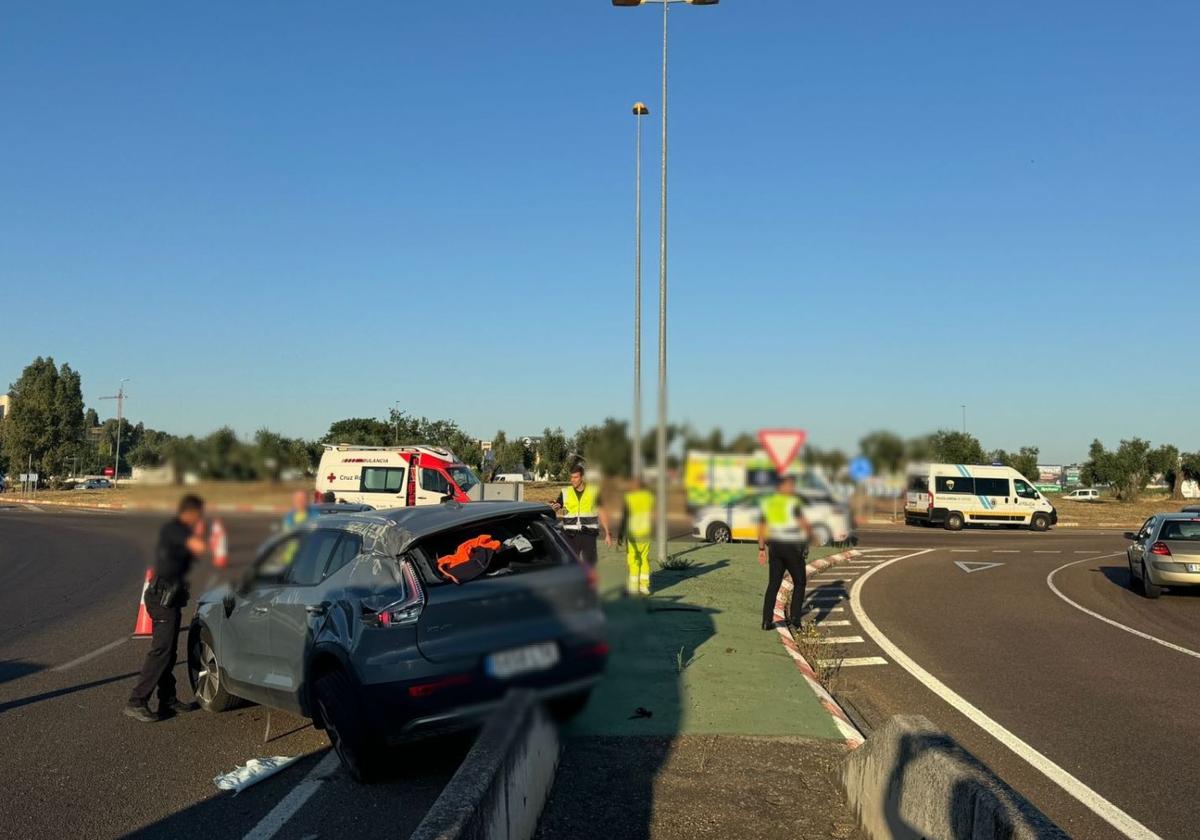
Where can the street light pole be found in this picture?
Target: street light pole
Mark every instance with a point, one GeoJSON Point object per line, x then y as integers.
{"type": "Point", "coordinates": [120, 398]}
{"type": "Point", "coordinates": [639, 110]}
{"type": "Point", "coordinates": [660, 506]}
{"type": "Point", "coordinates": [964, 410]}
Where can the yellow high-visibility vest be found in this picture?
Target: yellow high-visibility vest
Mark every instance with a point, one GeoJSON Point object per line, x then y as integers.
{"type": "Point", "coordinates": [579, 510]}
{"type": "Point", "coordinates": [640, 507]}
{"type": "Point", "coordinates": [779, 513]}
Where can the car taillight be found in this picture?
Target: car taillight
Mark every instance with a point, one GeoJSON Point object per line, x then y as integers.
{"type": "Point", "coordinates": [426, 689]}
{"type": "Point", "coordinates": [1161, 549]}
{"type": "Point", "coordinates": [598, 649]}
{"type": "Point", "coordinates": [405, 612]}
{"type": "Point", "coordinates": [931, 501]}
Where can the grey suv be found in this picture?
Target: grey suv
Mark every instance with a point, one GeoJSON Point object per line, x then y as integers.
{"type": "Point", "coordinates": [349, 621]}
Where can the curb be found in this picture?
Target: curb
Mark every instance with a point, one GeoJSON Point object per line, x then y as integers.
{"type": "Point", "coordinates": [219, 507]}
{"type": "Point", "coordinates": [912, 780]}
{"type": "Point", "coordinates": [841, 720]}
{"type": "Point", "coordinates": [503, 783]}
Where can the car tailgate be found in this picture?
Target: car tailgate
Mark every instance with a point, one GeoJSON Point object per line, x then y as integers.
{"type": "Point", "coordinates": [495, 613]}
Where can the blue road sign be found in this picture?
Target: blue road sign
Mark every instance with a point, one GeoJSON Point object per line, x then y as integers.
{"type": "Point", "coordinates": [861, 468]}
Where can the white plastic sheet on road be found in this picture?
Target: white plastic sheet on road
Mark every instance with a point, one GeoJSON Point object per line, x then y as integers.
{"type": "Point", "coordinates": [254, 770]}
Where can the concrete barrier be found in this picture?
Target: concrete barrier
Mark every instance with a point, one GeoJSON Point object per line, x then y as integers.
{"type": "Point", "coordinates": [499, 791]}
{"type": "Point", "coordinates": [910, 780]}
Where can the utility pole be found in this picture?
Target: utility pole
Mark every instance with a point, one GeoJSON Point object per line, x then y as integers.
{"type": "Point", "coordinates": [120, 398]}
{"type": "Point", "coordinates": [964, 412]}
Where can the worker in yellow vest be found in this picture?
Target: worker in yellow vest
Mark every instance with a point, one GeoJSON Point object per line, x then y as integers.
{"type": "Point", "coordinates": [783, 536]}
{"type": "Point", "coordinates": [635, 529]}
{"type": "Point", "coordinates": [583, 516]}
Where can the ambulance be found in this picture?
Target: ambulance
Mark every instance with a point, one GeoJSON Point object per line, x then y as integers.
{"type": "Point", "coordinates": [395, 476]}
{"type": "Point", "coordinates": [954, 495]}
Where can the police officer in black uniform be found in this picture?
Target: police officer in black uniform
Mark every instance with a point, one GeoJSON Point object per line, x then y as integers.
{"type": "Point", "coordinates": [179, 543]}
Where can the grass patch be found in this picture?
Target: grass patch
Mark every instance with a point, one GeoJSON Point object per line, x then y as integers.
{"type": "Point", "coordinates": [825, 658]}
{"type": "Point", "coordinates": [677, 563]}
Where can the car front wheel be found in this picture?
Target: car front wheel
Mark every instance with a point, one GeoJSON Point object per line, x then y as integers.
{"type": "Point", "coordinates": [719, 532]}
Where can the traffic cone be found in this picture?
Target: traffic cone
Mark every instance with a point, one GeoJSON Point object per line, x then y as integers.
{"type": "Point", "coordinates": [144, 626]}
{"type": "Point", "coordinates": [218, 544]}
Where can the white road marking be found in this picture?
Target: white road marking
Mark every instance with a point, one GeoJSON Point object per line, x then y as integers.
{"type": "Point", "coordinates": [841, 640]}
{"type": "Point", "coordinates": [1084, 551]}
{"type": "Point", "coordinates": [829, 599]}
{"type": "Point", "coordinates": [964, 551]}
{"type": "Point", "coordinates": [854, 661]}
{"type": "Point", "coordinates": [1093, 801]}
{"type": "Point", "coordinates": [970, 567]}
{"type": "Point", "coordinates": [287, 807]}
{"type": "Point", "coordinates": [1044, 551]}
{"type": "Point", "coordinates": [87, 656]}
{"type": "Point", "coordinates": [1005, 551]}
{"type": "Point", "coordinates": [1106, 619]}
{"type": "Point", "coordinates": [827, 623]}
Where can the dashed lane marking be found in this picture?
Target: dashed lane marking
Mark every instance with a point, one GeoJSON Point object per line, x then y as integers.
{"type": "Point", "coordinates": [853, 661]}
{"type": "Point", "coordinates": [1045, 551]}
{"type": "Point", "coordinates": [100, 651]}
{"type": "Point", "coordinates": [964, 551]}
{"type": "Point", "coordinates": [841, 640]}
{"type": "Point", "coordinates": [1005, 551]}
{"type": "Point", "coordinates": [1096, 803]}
{"type": "Point", "coordinates": [287, 807]}
{"type": "Point", "coordinates": [835, 623]}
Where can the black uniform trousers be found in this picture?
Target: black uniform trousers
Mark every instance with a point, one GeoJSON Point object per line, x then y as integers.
{"type": "Point", "coordinates": [159, 667]}
{"type": "Point", "coordinates": [781, 557]}
{"type": "Point", "coordinates": [584, 544]}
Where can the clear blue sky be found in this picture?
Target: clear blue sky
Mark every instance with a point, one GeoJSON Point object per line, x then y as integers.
{"type": "Point", "coordinates": [296, 212]}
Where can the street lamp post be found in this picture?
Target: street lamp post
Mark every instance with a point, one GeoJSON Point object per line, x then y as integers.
{"type": "Point", "coordinates": [661, 437]}
{"type": "Point", "coordinates": [120, 398]}
{"type": "Point", "coordinates": [639, 110]}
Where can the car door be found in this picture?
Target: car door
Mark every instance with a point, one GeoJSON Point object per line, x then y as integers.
{"type": "Point", "coordinates": [996, 496]}
{"type": "Point", "coordinates": [1138, 548]}
{"type": "Point", "coordinates": [432, 483]}
{"type": "Point", "coordinates": [244, 646]}
{"type": "Point", "coordinates": [1026, 498]}
{"type": "Point", "coordinates": [298, 604]}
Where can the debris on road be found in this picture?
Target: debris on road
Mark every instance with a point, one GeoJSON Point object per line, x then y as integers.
{"type": "Point", "coordinates": [253, 771]}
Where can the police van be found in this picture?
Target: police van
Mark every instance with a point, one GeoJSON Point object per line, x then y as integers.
{"type": "Point", "coordinates": [953, 495]}
{"type": "Point", "coordinates": [395, 476]}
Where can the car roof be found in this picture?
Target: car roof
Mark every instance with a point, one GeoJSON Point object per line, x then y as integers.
{"type": "Point", "coordinates": [1176, 516]}
{"type": "Point", "coordinates": [415, 523]}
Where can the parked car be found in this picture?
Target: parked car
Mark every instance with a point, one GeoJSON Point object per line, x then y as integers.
{"type": "Point", "coordinates": [348, 620]}
{"type": "Point", "coordinates": [831, 522]}
{"type": "Point", "coordinates": [1164, 552]}
{"type": "Point", "coordinates": [1084, 494]}
{"type": "Point", "coordinates": [1191, 509]}
{"type": "Point", "coordinates": [96, 484]}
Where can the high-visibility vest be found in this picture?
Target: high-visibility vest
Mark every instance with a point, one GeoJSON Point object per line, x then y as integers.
{"type": "Point", "coordinates": [779, 513]}
{"type": "Point", "coordinates": [579, 510]}
{"type": "Point", "coordinates": [639, 505]}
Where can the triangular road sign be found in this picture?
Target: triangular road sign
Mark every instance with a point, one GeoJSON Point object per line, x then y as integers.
{"type": "Point", "coordinates": [782, 445]}
{"type": "Point", "coordinates": [969, 567]}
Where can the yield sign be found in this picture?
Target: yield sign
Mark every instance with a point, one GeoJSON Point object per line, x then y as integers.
{"type": "Point", "coordinates": [969, 567]}
{"type": "Point", "coordinates": [782, 445]}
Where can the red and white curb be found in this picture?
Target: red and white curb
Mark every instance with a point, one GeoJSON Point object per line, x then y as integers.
{"type": "Point", "coordinates": [849, 731]}
{"type": "Point", "coordinates": [220, 507]}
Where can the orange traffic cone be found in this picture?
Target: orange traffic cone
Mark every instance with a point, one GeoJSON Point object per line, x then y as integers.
{"type": "Point", "coordinates": [218, 544]}
{"type": "Point", "coordinates": [144, 626]}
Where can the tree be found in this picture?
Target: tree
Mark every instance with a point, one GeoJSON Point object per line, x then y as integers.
{"type": "Point", "coordinates": [1164, 461]}
{"type": "Point", "coordinates": [606, 446]}
{"type": "Point", "coordinates": [552, 453]}
{"type": "Point", "coordinates": [363, 431]}
{"type": "Point", "coordinates": [1125, 471]}
{"type": "Point", "coordinates": [45, 421]}
{"type": "Point", "coordinates": [508, 455]}
{"type": "Point", "coordinates": [885, 451]}
{"type": "Point", "coordinates": [1026, 463]}
{"type": "Point", "coordinates": [919, 449]}
{"type": "Point", "coordinates": [951, 447]}
{"type": "Point", "coordinates": [1189, 466]}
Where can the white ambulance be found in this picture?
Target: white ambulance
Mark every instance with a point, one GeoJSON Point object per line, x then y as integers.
{"type": "Point", "coordinates": [953, 495]}
{"type": "Point", "coordinates": [395, 476]}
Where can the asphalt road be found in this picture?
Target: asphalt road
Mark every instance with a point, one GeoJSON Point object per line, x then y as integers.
{"type": "Point", "coordinates": [1112, 710]}
{"type": "Point", "coordinates": [75, 766]}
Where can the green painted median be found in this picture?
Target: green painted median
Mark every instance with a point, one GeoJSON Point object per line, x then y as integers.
{"type": "Point", "coordinates": [694, 657]}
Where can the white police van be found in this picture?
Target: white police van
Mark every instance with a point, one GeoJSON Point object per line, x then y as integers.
{"type": "Point", "coordinates": [953, 495]}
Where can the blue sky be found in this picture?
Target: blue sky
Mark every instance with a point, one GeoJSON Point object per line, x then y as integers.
{"type": "Point", "coordinates": [296, 212]}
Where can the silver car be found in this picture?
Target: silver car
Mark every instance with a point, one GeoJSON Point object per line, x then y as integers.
{"type": "Point", "coordinates": [1164, 552]}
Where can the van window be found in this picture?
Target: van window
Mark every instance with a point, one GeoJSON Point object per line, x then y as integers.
{"type": "Point", "coordinates": [992, 487]}
{"type": "Point", "coordinates": [1024, 490]}
{"type": "Point", "coordinates": [955, 484]}
{"type": "Point", "coordinates": [434, 481]}
{"type": "Point", "coordinates": [918, 484]}
{"type": "Point", "coordinates": [382, 480]}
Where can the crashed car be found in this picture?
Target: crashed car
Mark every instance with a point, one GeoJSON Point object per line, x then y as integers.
{"type": "Point", "coordinates": [391, 625]}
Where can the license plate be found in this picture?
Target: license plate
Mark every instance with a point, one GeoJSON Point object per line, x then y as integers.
{"type": "Point", "coordinates": [1193, 567]}
{"type": "Point", "coordinates": [522, 660]}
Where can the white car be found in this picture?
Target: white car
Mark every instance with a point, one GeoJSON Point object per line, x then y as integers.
{"type": "Point", "coordinates": [831, 523]}
{"type": "Point", "coordinates": [1084, 494]}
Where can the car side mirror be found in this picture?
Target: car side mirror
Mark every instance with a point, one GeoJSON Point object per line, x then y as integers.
{"type": "Point", "coordinates": [1130, 535]}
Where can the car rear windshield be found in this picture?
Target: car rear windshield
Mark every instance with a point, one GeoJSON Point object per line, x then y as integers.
{"type": "Point", "coordinates": [463, 477]}
{"type": "Point", "coordinates": [918, 484]}
{"type": "Point", "coordinates": [528, 543]}
{"type": "Point", "coordinates": [1180, 530]}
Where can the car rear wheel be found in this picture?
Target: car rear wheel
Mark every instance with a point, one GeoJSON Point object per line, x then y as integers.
{"type": "Point", "coordinates": [204, 674]}
{"type": "Point", "coordinates": [563, 709]}
{"type": "Point", "coordinates": [719, 532]}
{"type": "Point", "coordinates": [1150, 590]}
{"type": "Point", "coordinates": [954, 521]}
{"type": "Point", "coordinates": [1039, 522]}
{"type": "Point", "coordinates": [341, 714]}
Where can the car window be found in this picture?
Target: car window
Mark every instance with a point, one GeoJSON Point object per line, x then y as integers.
{"type": "Point", "coordinates": [1024, 490]}
{"type": "Point", "coordinates": [918, 484]}
{"type": "Point", "coordinates": [1180, 530]}
{"type": "Point", "coordinates": [1147, 526]}
{"type": "Point", "coordinates": [992, 487]}
{"type": "Point", "coordinates": [954, 484]}
{"type": "Point", "coordinates": [381, 480]}
{"type": "Point", "coordinates": [278, 557]}
{"type": "Point", "coordinates": [313, 555]}
{"type": "Point", "coordinates": [434, 481]}
{"type": "Point", "coordinates": [346, 550]}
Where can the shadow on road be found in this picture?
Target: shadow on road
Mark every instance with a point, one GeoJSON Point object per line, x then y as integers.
{"type": "Point", "coordinates": [821, 600]}
{"type": "Point", "coordinates": [1119, 575]}
{"type": "Point", "coordinates": [14, 669]}
{"type": "Point", "coordinates": [59, 692]}
{"type": "Point", "coordinates": [661, 579]}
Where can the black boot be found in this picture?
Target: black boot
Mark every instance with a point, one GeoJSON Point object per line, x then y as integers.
{"type": "Point", "coordinates": [140, 711]}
